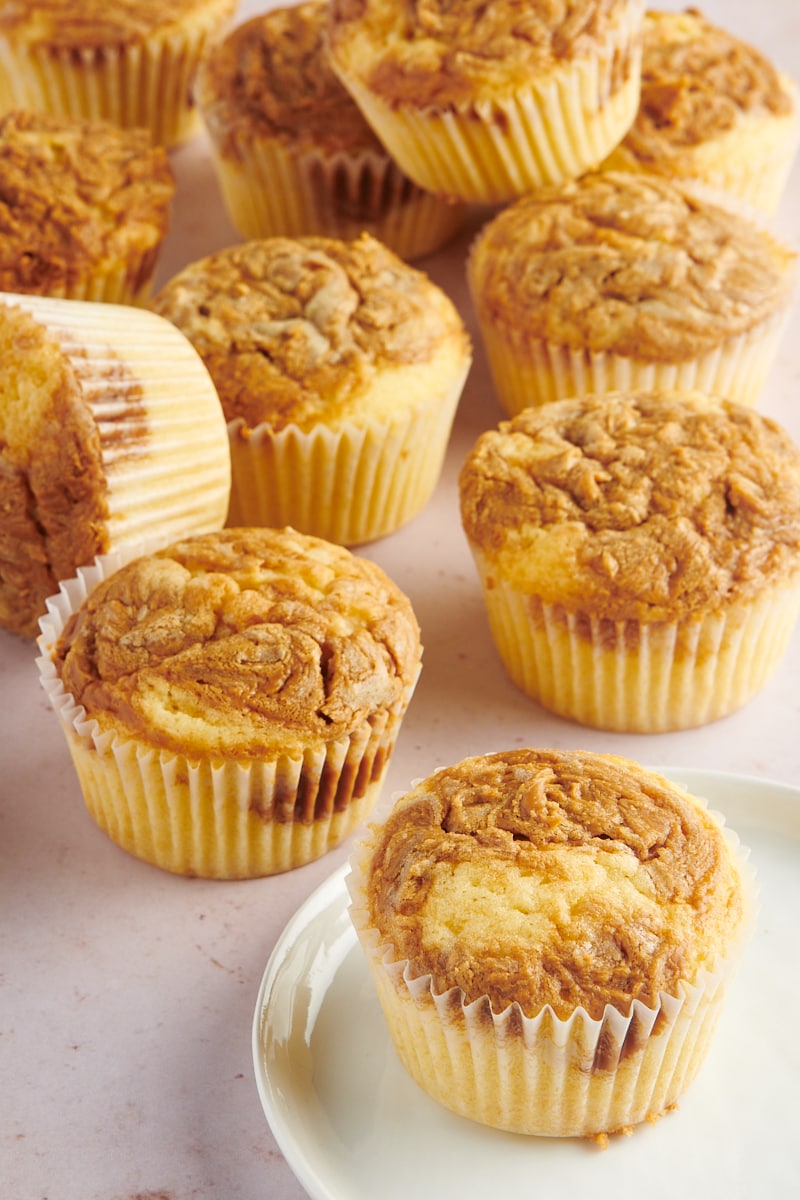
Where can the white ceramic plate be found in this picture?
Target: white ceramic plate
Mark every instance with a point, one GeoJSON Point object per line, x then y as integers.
{"type": "Point", "coordinates": [354, 1126]}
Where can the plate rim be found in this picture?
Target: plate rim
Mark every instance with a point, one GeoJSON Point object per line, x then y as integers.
{"type": "Point", "coordinates": [318, 902]}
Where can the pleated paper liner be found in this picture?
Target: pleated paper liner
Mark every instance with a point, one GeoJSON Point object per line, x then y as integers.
{"type": "Point", "coordinates": [163, 437]}
{"type": "Point", "coordinates": [349, 485]}
{"type": "Point", "coordinates": [145, 83]}
{"type": "Point", "coordinates": [493, 151]}
{"type": "Point", "coordinates": [273, 190]}
{"type": "Point", "coordinates": [530, 371]}
{"type": "Point", "coordinates": [632, 677]}
{"type": "Point", "coordinates": [218, 818]}
{"type": "Point", "coordinates": [543, 1075]}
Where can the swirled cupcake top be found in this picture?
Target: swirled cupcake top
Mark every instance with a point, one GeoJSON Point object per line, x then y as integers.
{"type": "Point", "coordinates": [241, 643]}
{"type": "Point", "coordinates": [92, 24]}
{"type": "Point", "coordinates": [636, 506]}
{"type": "Point", "coordinates": [76, 194]}
{"type": "Point", "coordinates": [270, 77]}
{"type": "Point", "coordinates": [697, 82]}
{"type": "Point", "coordinates": [631, 264]}
{"type": "Point", "coordinates": [430, 53]}
{"type": "Point", "coordinates": [558, 878]}
{"type": "Point", "coordinates": [316, 330]}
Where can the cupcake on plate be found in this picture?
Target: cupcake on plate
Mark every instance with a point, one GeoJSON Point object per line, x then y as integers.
{"type": "Point", "coordinates": [550, 934]}
{"type": "Point", "coordinates": [712, 108]}
{"type": "Point", "coordinates": [110, 430]}
{"type": "Point", "coordinates": [486, 101]}
{"type": "Point", "coordinates": [132, 62]}
{"type": "Point", "coordinates": [84, 208]}
{"type": "Point", "coordinates": [623, 280]}
{"type": "Point", "coordinates": [292, 151]}
{"type": "Point", "coordinates": [339, 368]}
{"type": "Point", "coordinates": [639, 555]}
{"type": "Point", "coordinates": [231, 702]}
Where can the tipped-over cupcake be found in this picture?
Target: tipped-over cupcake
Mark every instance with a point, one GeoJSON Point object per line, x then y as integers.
{"type": "Point", "coordinates": [550, 934]}
{"type": "Point", "coordinates": [111, 430]}
{"type": "Point", "coordinates": [231, 702]}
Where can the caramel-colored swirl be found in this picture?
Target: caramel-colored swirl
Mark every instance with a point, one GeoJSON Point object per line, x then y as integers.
{"type": "Point", "coordinates": [628, 263]}
{"type": "Point", "coordinates": [638, 506]}
{"type": "Point", "coordinates": [552, 877]}
{"type": "Point", "coordinates": [95, 24]}
{"type": "Point", "coordinates": [297, 330]}
{"type": "Point", "coordinates": [433, 53]}
{"type": "Point", "coordinates": [242, 643]}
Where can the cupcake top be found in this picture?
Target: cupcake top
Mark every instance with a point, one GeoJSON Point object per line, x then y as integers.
{"type": "Point", "coordinates": [545, 877]}
{"type": "Point", "coordinates": [74, 194]}
{"type": "Point", "coordinates": [241, 643]}
{"type": "Point", "coordinates": [270, 77]}
{"type": "Point", "coordinates": [636, 506]}
{"type": "Point", "coordinates": [698, 81]}
{"type": "Point", "coordinates": [303, 331]}
{"type": "Point", "coordinates": [435, 54]}
{"type": "Point", "coordinates": [92, 23]}
{"type": "Point", "coordinates": [629, 263]}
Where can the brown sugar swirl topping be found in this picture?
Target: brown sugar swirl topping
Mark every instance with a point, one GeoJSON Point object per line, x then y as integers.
{"type": "Point", "coordinates": [544, 877]}
{"type": "Point", "coordinates": [241, 643]}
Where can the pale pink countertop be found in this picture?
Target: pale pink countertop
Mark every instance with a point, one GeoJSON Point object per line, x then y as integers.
{"type": "Point", "coordinates": [126, 994]}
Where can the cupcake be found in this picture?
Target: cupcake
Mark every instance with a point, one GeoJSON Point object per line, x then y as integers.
{"type": "Point", "coordinates": [110, 430]}
{"type": "Point", "coordinates": [622, 280]}
{"type": "Point", "coordinates": [551, 934]}
{"type": "Point", "coordinates": [486, 101]}
{"type": "Point", "coordinates": [132, 62]}
{"type": "Point", "coordinates": [293, 153]}
{"type": "Point", "coordinates": [639, 555]}
{"type": "Point", "coordinates": [712, 108]}
{"type": "Point", "coordinates": [339, 368]}
{"type": "Point", "coordinates": [231, 702]}
{"type": "Point", "coordinates": [84, 208]}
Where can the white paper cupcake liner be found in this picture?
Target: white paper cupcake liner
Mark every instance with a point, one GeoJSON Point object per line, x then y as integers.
{"type": "Point", "coordinates": [271, 190]}
{"type": "Point", "coordinates": [218, 818]}
{"type": "Point", "coordinates": [631, 677]}
{"type": "Point", "coordinates": [349, 485]}
{"type": "Point", "coordinates": [543, 1075]}
{"type": "Point", "coordinates": [529, 371]}
{"type": "Point", "coordinates": [491, 152]}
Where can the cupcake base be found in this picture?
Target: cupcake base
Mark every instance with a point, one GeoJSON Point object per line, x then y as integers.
{"type": "Point", "coordinates": [637, 678]}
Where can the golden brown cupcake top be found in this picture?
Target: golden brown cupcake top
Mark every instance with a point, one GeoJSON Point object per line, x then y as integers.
{"type": "Point", "coordinates": [697, 82]}
{"type": "Point", "coordinates": [241, 643]}
{"type": "Point", "coordinates": [84, 24]}
{"type": "Point", "coordinates": [74, 194]}
{"type": "Point", "coordinates": [633, 264]}
{"type": "Point", "coordinates": [543, 877]}
{"type": "Point", "coordinates": [432, 53]}
{"type": "Point", "coordinates": [301, 330]}
{"type": "Point", "coordinates": [270, 77]}
{"type": "Point", "coordinates": [52, 485]}
{"type": "Point", "coordinates": [636, 506]}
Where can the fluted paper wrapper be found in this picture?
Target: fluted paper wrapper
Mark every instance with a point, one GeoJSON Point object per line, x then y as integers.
{"type": "Point", "coordinates": [633, 677]}
{"type": "Point", "coordinates": [528, 371]}
{"type": "Point", "coordinates": [490, 152]}
{"type": "Point", "coordinates": [349, 485]}
{"type": "Point", "coordinates": [231, 818]}
{"type": "Point", "coordinates": [163, 437]}
{"type": "Point", "coordinates": [272, 190]}
{"type": "Point", "coordinates": [145, 83]}
{"type": "Point", "coordinates": [543, 1075]}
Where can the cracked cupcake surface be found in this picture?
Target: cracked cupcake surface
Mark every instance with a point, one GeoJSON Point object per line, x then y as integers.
{"type": "Point", "coordinates": [556, 878]}
{"type": "Point", "coordinates": [241, 644]}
